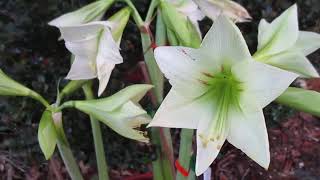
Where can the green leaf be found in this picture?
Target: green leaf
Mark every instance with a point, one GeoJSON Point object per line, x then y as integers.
{"type": "Point", "coordinates": [302, 100]}
{"type": "Point", "coordinates": [47, 134]}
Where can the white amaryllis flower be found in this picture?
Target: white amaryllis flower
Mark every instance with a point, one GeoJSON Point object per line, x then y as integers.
{"type": "Point", "coordinates": [95, 51]}
{"type": "Point", "coordinates": [233, 10]}
{"type": "Point", "coordinates": [281, 44]}
{"type": "Point", "coordinates": [220, 90]}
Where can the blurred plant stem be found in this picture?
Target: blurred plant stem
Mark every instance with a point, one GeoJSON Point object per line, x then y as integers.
{"type": "Point", "coordinates": [97, 138]}
{"type": "Point", "coordinates": [163, 168]}
{"type": "Point", "coordinates": [185, 152]}
{"type": "Point", "coordinates": [65, 151]}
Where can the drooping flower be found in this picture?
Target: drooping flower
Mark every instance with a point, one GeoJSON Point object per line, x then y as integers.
{"type": "Point", "coordinates": [281, 44]}
{"type": "Point", "coordinates": [95, 46]}
{"type": "Point", "coordinates": [220, 91]}
{"type": "Point", "coordinates": [228, 8]}
{"type": "Point", "coordinates": [121, 111]}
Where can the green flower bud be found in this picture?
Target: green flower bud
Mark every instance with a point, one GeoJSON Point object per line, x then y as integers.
{"type": "Point", "coordinates": [10, 87]}
{"type": "Point", "coordinates": [301, 99]}
{"type": "Point", "coordinates": [179, 26]}
{"type": "Point", "coordinates": [118, 22]}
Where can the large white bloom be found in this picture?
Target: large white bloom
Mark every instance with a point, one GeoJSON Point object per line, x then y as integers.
{"type": "Point", "coordinates": [281, 44]}
{"type": "Point", "coordinates": [95, 51]}
{"type": "Point", "coordinates": [220, 90]}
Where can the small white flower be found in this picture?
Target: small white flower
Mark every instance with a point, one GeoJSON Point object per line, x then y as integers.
{"type": "Point", "coordinates": [281, 44]}
{"type": "Point", "coordinates": [220, 90]}
{"type": "Point", "coordinates": [95, 51]}
{"type": "Point", "coordinates": [228, 8]}
{"type": "Point", "coordinates": [94, 45]}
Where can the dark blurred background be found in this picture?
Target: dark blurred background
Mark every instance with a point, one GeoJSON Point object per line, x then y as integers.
{"type": "Point", "coordinates": [31, 54]}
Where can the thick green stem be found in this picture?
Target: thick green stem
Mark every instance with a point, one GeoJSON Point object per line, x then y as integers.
{"type": "Point", "coordinates": [97, 138]}
{"type": "Point", "coordinates": [65, 151]}
{"type": "Point", "coordinates": [69, 161]}
{"type": "Point", "coordinates": [185, 151]}
{"type": "Point", "coordinates": [162, 167]}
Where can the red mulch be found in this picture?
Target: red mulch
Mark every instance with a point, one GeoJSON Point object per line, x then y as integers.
{"type": "Point", "coordinates": [295, 154]}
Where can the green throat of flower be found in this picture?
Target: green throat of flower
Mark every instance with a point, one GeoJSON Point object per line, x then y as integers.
{"type": "Point", "coordinates": [223, 93]}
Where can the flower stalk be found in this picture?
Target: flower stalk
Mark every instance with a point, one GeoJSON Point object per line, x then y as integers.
{"type": "Point", "coordinates": [97, 138]}
{"type": "Point", "coordinates": [163, 166]}
{"type": "Point", "coordinates": [64, 149]}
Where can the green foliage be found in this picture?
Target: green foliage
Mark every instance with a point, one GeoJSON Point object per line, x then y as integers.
{"type": "Point", "coordinates": [47, 134]}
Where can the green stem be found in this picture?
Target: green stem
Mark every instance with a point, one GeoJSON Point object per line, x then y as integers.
{"type": "Point", "coordinates": [66, 153]}
{"type": "Point", "coordinates": [97, 138]}
{"type": "Point", "coordinates": [185, 151]}
{"type": "Point", "coordinates": [70, 88]}
{"type": "Point", "coordinates": [163, 166]}
{"type": "Point", "coordinates": [38, 97]}
{"type": "Point", "coordinates": [153, 5]}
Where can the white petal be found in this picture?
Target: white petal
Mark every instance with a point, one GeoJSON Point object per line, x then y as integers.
{"type": "Point", "coordinates": [281, 34]}
{"type": "Point", "coordinates": [262, 28]}
{"type": "Point", "coordinates": [263, 81]}
{"type": "Point", "coordinates": [177, 111]}
{"type": "Point", "coordinates": [182, 70]}
{"type": "Point", "coordinates": [206, 154]}
{"type": "Point", "coordinates": [233, 10]}
{"type": "Point", "coordinates": [209, 9]}
{"type": "Point", "coordinates": [86, 49]}
{"type": "Point", "coordinates": [104, 73]}
{"type": "Point", "coordinates": [108, 55]}
{"type": "Point", "coordinates": [120, 120]}
{"type": "Point", "coordinates": [293, 61]}
{"type": "Point", "coordinates": [225, 43]}
{"type": "Point", "coordinates": [190, 9]}
{"type": "Point", "coordinates": [307, 42]}
{"type": "Point", "coordinates": [248, 131]}
{"type": "Point", "coordinates": [81, 69]}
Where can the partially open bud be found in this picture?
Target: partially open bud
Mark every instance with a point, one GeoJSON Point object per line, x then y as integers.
{"type": "Point", "coordinates": [91, 12]}
{"type": "Point", "coordinates": [233, 10]}
{"type": "Point", "coordinates": [181, 30]}
{"type": "Point", "coordinates": [121, 111]}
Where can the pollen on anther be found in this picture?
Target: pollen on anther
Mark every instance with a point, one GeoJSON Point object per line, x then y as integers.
{"type": "Point", "coordinates": [218, 147]}
{"type": "Point", "coordinates": [204, 82]}
{"type": "Point", "coordinates": [208, 74]}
